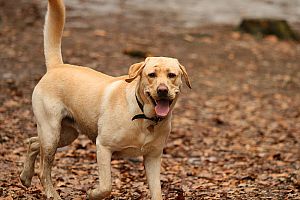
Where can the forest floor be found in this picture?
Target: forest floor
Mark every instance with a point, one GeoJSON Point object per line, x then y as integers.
{"type": "Point", "coordinates": [235, 135]}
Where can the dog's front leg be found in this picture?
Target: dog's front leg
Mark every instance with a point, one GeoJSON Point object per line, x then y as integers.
{"type": "Point", "coordinates": [152, 163]}
{"type": "Point", "coordinates": [103, 159]}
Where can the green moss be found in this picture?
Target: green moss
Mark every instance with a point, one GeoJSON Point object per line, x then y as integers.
{"type": "Point", "coordinates": [263, 27]}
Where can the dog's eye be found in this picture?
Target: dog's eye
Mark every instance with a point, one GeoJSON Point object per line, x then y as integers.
{"type": "Point", "coordinates": [171, 75]}
{"type": "Point", "coordinates": [152, 75]}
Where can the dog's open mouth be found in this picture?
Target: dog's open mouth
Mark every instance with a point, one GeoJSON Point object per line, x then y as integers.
{"type": "Point", "coordinates": [161, 106]}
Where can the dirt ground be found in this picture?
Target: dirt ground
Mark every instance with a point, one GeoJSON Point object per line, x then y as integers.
{"type": "Point", "coordinates": [235, 135]}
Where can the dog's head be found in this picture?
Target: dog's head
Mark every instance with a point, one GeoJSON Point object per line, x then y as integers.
{"type": "Point", "coordinates": [160, 82]}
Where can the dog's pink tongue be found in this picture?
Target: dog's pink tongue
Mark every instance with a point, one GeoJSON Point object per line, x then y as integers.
{"type": "Point", "coordinates": [162, 108]}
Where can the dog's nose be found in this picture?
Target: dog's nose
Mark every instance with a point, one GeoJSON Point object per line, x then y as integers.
{"type": "Point", "coordinates": [162, 90]}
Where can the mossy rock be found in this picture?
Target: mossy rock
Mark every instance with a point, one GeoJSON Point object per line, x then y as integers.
{"type": "Point", "coordinates": [137, 53]}
{"type": "Point", "coordinates": [263, 27]}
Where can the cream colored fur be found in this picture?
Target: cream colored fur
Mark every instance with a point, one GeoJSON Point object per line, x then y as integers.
{"type": "Point", "coordinates": [71, 100]}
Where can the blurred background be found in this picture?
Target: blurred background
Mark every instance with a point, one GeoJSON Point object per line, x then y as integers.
{"type": "Point", "coordinates": [235, 135]}
{"type": "Point", "coordinates": [193, 13]}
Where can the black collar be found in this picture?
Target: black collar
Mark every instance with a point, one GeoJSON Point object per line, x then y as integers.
{"type": "Point", "coordinates": [143, 116]}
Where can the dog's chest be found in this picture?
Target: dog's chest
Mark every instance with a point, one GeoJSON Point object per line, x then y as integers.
{"type": "Point", "coordinates": [139, 143]}
{"type": "Point", "coordinates": [133, 151]}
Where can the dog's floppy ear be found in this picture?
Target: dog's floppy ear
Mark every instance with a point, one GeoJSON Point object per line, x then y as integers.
{"type": "Point", "coordinates": [135, 70]}
{"type": "Point", "coordinates": [186, 76]}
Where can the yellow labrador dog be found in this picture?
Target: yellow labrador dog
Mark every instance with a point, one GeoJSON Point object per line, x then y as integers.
{"type": "Point", "coordinates": [127, 115]}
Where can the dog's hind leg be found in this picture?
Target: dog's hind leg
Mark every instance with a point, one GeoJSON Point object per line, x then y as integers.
{"type": "Point", "coordinates": [49, 114]}
{"type": "Point", "coordinates": [32, 152]}
{"type": "Point", "coordinates": [68, 133]}
{"type": "Point", "coordinates": [67, 136]}
{"type": "Point", "coordinates": [49, 135]}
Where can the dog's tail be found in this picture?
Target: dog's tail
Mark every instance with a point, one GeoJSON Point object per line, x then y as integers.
{"type": "Point", "coordinates": [53, 30]}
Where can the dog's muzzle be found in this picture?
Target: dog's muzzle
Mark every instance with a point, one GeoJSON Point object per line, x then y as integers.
{"type": "Point", "coordinates": [162, 91]}
{"type": "Point", "coordinates": [162, 103]}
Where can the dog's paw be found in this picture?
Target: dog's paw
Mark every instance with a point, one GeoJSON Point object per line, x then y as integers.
{"type": "Point", "coordinates": [52, 194]}
{"type": "Point", "coordinates": [25, 180]}
{"type": "Point", "coordinates": [96, 194]}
